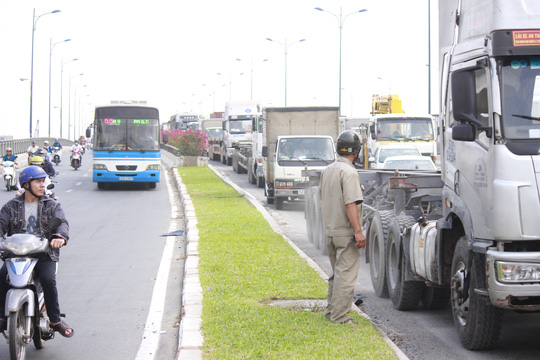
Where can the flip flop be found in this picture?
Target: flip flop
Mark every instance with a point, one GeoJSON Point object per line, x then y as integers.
{"type": "Point", "coordinates": [62, 328]}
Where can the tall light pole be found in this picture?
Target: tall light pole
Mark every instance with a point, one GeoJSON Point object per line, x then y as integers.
{"type": "Point", "coordinates": [69, 110]}
{"type": "Point", "coordinates": [230, 83]}
{"type": "Point", "coordinates": [341, 21]}
{"type": "Point", "coordinates": [61, 89]}
{"type": "Point", "coordinates": [51, 47]}
{"type": "Point", "coordinates": [286, 50]}
{"type": "Point", "coordinates": [429, 56]}
{"type": "Point", "coordinates": [34, 23]}
{"type": "Point", "coordinates": [251, 79]}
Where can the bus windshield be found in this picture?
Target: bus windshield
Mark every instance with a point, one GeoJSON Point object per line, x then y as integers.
{"type": "Point", "coordinates": [118, 133]}
{"type": "Point", "coordinates": [405, 129]}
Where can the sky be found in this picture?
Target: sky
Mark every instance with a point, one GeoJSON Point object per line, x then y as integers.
{"type": "Point", "coordinates": [170, 52]}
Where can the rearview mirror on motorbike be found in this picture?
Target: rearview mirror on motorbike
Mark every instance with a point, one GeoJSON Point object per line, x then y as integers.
{"type": "Point", "coordinates": [54, 223]}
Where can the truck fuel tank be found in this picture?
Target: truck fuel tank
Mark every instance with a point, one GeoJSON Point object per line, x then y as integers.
{"type": "Point", "coordinates": [423, 250]}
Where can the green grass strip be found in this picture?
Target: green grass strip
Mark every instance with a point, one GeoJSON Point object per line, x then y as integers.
{"type": "Point", "coordinates": [244, 265]}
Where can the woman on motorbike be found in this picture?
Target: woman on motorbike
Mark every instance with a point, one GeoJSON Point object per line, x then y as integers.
{"type": "Point", "coordinates": [9, 156]}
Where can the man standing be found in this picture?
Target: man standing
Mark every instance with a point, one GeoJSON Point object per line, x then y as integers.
{"type": "Point", "coordinates": [30, 213]}
{"type": "Point", "coordinates": [341, 196]}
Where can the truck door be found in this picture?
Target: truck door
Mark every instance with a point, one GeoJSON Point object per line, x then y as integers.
{"type": "Point", "coordinates": [468, 169]}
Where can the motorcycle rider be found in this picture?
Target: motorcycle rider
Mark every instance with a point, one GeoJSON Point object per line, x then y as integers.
{"type": "Point", "coordinates": [31, 213]}
{"type": "Point", "coordinates": [47, 147]}
{"type": "Point", "coordinates": [32, 149]}
{"type": "Point", "coordinates": [44, 164]}
{"type": "Point", "coordinates": [56, 144]}
{"type": "Point", "coordinates": [42, 152]}
{"type": "Point", "coordinates": [76, 148]}
{"type": "Point", "coordinates": [9, 156]}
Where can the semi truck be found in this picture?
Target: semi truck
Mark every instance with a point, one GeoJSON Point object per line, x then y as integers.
{"type": "Point", "coordinates": [295, 139]}
{"type": "Point", "coordinates": [237, 127]}
{"type": "Point", "coordinates": [248, 158]}
{"type": "Point", "coordinates": [467, 235]}
{"type": "Point", "coordinates": [212, 128]}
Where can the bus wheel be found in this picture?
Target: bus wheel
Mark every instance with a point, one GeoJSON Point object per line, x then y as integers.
{"type": "Point", "coordinates": [101, 185]}
{"type": "Point", "coordinates": [152, 185]}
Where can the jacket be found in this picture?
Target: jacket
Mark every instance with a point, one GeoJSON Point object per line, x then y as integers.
{"type": "Point", "coordinates": [12, 219]}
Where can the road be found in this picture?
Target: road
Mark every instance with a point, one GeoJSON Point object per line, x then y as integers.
{"type": "Point", "coordinates": [107, 273]}
{"type": "Point", "coordinates": [420, 334]}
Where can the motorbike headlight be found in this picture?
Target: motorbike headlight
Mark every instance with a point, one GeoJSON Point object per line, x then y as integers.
{"type": "Point", "coordinates": [100, 167]}
{"type": "Point", "coordinates": [19, 248]}
{"type": "Point", "coordinates": [510, 272]}
{"type": "Point", "coordinates": [153, 167]}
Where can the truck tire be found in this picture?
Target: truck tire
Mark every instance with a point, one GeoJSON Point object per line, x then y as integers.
{"type": "Point", "coordinates": [434, 298]}
{"type": "Point", "coordinates": [478, 323]}
{"type": "Point", "coordinates": [405, 295]}
{"type": "Point", "coordinates": [279, 203]}
{"type": "Point", "coordinates": [260, 181]}
{"type": "Point", "coordinates": [229, 160]}
{"type": "Point", "coordinates": [223, 158]}
{"type": "Point", "coordinates": [269, 200]}
{"type": "Point", "coordinates": [378, 231]}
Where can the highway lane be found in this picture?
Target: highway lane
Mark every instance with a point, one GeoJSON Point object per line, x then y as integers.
{"type": "Point", "coordinates": [108, 270]}
{"type": "Point", "coordinates": [421, 334]}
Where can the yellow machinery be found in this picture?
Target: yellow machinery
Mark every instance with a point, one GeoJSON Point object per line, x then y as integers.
{"type": "Point", "coordinates": [386, 104]}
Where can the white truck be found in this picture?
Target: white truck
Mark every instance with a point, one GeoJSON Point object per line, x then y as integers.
{"type": "Point", "coordinates": [248, 158]}
{"type": "Point", "coordinates": [470, 234]}
{"type": "Point", "coordinates": [295, 139]}
{"type": "Point", "coordinates": [237, 127]}
{"type": "Point", "coordinates": [213, 129]}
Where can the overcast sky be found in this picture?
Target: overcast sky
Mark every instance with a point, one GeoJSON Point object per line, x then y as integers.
{"type": "Point", "coordinates": [169, 53]}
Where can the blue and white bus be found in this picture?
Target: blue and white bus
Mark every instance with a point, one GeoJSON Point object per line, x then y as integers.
{"type": "Point", "coordinates": [126, 145]}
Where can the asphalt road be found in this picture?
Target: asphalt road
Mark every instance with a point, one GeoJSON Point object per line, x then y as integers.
{"type": "Point", "coordinates": [107, 272]}
{"type": "Point", "coordinates": [420, 334]}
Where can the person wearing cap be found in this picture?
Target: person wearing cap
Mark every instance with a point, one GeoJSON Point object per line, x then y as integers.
{"type": "Point", "coordinates": [57, 144]}
{"type": "Point", "coordinates": [341, 199]}
{"type": "Point", "coordinates": [9, 156]}
{"type": "Point", "coordinates": [33, 148]}
{"type": "Point", "coordinates": [31, 213]}
{"type": "Point", "coordinates": [47, 147]}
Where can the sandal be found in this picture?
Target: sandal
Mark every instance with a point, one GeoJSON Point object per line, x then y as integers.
{"type": "Point", "coordinates": [62, 328]}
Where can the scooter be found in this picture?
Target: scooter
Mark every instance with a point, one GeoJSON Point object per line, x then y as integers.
{"type": "Point", "coordinates": [25, 304]}
{"type": "Point", "coordinates": [56, 155]}
{"type": "Point", "coordinates": [8, 173]}
{"type": "Point", "coordinates": [76, 160]}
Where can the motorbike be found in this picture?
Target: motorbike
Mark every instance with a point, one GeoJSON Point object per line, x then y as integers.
{"type": "Point", "coordinates": [8, 173]}
{"type": "Point", "coordinates": [56, 155]}
{"type": "Point", "coordinates": [27, 318]}
{"type": "Point", "coordinates": [76, 160]}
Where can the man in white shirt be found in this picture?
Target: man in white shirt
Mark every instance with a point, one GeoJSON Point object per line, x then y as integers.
{"type": "Point", "coordinates": [32, 149]}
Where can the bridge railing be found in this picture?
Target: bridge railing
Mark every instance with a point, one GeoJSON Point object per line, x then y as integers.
{"type": "Point", "coordinates": [19, 146]}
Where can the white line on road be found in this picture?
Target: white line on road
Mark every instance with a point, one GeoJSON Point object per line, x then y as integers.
{"type": "Point", "coordinates": [152, 328]}
{"type": "Point", "coordinates": [85, 175]}
{"type": "Point", "coordinates": [70, 190]}
{"type": "Point", "coordinates": [78, 183]}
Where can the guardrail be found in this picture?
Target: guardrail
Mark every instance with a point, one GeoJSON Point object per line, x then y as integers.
{"type": "Point", "coordinates": [19, 146]}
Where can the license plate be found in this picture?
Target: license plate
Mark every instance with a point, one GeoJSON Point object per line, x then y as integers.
{"type": "Point", "coordinates": [301, 192]}
{"type": "Point", "coordinates": [124, 178]}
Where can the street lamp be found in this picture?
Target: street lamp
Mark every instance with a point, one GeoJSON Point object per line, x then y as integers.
{"type": "Point", "coordinates": [34, 23]}
{"type": "Point", "coordinates": [51, 47]}
{"type": "Point", "coordinates": [61, 89]}
{"type": "Point", "coordinates": [230, 83]}
{"type": "Point", "coordinates": [69, 110]}
{"type": "Point", "coordinates": [251, 80]}
{"type": "Point", "coordinates": [341, 20]}
{"type": "Point", "coordinates": [286, 49]}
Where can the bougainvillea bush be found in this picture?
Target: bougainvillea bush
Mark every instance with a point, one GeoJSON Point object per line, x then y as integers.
{"type": "Point", "coordinates": [190, 142]}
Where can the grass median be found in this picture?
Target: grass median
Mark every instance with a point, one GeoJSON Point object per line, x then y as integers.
{"type": "Point", "coordinates": [244, 266]}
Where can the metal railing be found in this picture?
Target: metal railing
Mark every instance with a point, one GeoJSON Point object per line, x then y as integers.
{"type": "Point", "coordinates": [19, 146]}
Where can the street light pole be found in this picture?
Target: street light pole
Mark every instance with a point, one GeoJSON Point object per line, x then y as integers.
{"type": "Point", "coordinates": [61, 91]}
{"type": "Point", "coordinates": [341, 21]}
{"type": "Point", "coordinates": [34, 23]}
{"type": "Point", "coordinates": [51, 47]}
{"type": "Point", "coordinates": [286, 49]}
{"type": "Point", "coordinates": [251, 80]}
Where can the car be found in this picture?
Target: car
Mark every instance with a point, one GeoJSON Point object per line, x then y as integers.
{"type": "Point", "coordinates": [384, 151]}
{"type": "Point", "coordinates": [409, 163]}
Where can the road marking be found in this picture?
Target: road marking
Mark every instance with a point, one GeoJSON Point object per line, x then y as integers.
{"type": "Point", "coordinates": [85, 175]}
{"type": "Point", "coordinates": [78, 183]}
{"type": "Point", "coordinates": [152, 328]}
{"type": "Point", "coordinates": [70, 190]}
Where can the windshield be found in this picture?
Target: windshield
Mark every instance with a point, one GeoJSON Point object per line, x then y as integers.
{"type": "Point", "coordinates": [126, 134]}
{"type": "Point", "coordinates": [240, 126]}
{"type": "Point", "coordinates": [305, 149]}
{"type": "Point", "coordinates": [403, 129]}
{"type": "Point", "coordinates": [520, 87]}
{"type": "Point", "coordinates": [216, 133]}
{"type": "Point", "coordinates": [409, 164]}
{"type": "Point", "coordinates": [398, 152]}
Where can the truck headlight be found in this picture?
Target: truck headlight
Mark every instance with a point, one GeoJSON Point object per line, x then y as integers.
{"type": "Point", "coordinates": [153, 167]}
{"type": "Point", "coordinates": [510, 272]}
{"type": "Point", "coordinates": [284, 184]}
{"type": "Point", "coordinates": [100, 167]}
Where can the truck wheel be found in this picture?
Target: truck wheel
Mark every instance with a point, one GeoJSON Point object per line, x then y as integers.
{"type": "Point", "coordinates": [378, 231]}
{"type": "Point", "coordinates": [260, 182]}
{"type": "Point", "coordinates": [223, 159]}
{"type": "Point", "coordinates": [478, 323]}
{"type": "Point", "coordinates": [434, 298]}
{"type": "Point", "coordinates": [229, 160]}
{"type": "Point", "coordinates": [279, 203]}
{"type": "Point", "coordinates": [405, 295]}
{"type": "Point", "coordinates": [269, 200]}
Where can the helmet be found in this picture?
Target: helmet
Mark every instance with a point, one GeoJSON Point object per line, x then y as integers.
{"type": "Point", "coordinates": [45, 142]}
{"type": "Point", "coordinates": [33, 142]}
{"type": "Point", "coordinates": [42, 151]}
{"type": "Point", "coordinates": [76, 142]}
{"type": "Point", "coordinates": [8, 149]}
{"type": "Point", "coordinates": [31, 173]}
{"type": "Point", "coordinates": [36, 160]}
{"type": "Point", "coordinates": [348, 143]}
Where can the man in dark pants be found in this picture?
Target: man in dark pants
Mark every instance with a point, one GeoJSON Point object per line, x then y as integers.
{"type": "Point", "coordinates": [341, 196]}
{"type": "Point", "coordinates": [31, 213]}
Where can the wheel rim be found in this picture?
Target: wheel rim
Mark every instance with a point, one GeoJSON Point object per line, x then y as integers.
{"type": "Point", "coordinates": [376, 256]}
{"type": "Point", "coordinates": [460, 306]}
{"type": "Point", "coordinates": [393, 265]}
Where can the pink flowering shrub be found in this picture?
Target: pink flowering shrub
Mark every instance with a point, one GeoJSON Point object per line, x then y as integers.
{"type": "Point", "coordinates": [190, 142]}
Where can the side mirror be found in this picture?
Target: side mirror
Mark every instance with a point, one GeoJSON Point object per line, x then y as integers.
{"type": "Point", "coordinates": [165, 138]}
{"type": "Point", "coordinates": [371, 159]}
{"type": "Point", "coordinates": [464, 132]}
{"type": "Point", "coordinates": [464, 96]}
{"type": "Point", "coordinates": [50, 186]}
{"type": "Point", "coordinates": [54, 223]}
{"type": "Point", "coordinates": [264, 151]}
{"type": "Point", "coordinates": [56, 172]}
